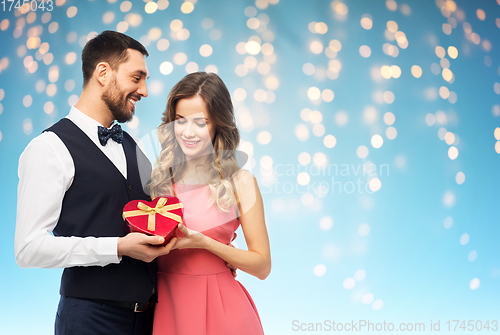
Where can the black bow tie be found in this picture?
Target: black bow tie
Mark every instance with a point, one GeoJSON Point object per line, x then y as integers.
{"type": "Point", "coordinates": [116, 133]}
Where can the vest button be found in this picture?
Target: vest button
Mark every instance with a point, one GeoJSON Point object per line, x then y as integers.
{"type": "Point", "coordinates": [130, 187]}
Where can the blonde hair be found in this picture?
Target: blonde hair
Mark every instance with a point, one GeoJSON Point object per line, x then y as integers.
{"type": "Point", "coordinates": [222, 164]}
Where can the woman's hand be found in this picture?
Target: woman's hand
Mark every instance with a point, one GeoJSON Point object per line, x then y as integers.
{"type": "Point", "coordinates": [191, 240]}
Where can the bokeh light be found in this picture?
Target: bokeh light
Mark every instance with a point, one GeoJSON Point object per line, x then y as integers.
{"type": "Point", "coordinates": [367, 21]}
{"type": "Point", "coordinates": [389, 118]}
{"type": "Point", "coordinates": [319, 159]}
{"type": "Point", "coordinates": [460, 178]}
{"type": "Point", "coordinates": [264, 137]}
{"type": "Point", "coordinates": [364, 229]}
{"type": "Point", "coordinates": [72, 11]}
{"type": "Point", "coordinates": [166, 68]}
{"type": "Point", "coordinates": [375, 184]}
{"type": "Point", "coordinates": [27, 126]}
{"type": "Point", "coordinates": [365, 51]}
{"type": "Point", "coordinates": [206, 50]}
{"type": "Point", "coordinates": [151, 7]}
{"type": "Point", "coordinates": [341, 118]}
{"type": "Point", "coordinates": [453, 153]}
{"type": "Point", "coordinates": [391, 133]}
{"type": "Point", "coordinates": [316, 47]}
{"type": "Point", "coordinates": [464, 239]}
{"type": "Point", "coordinates": [329, 141]}
{"type": "Point", "coordinates": [377, 141]}
{"type": "Point", "coordinates": [367, 298]}
{"type": "Point", "coordinates": [125, 6]}
{"type": "Point", "coordinates": [377, 305]}
{"type": "Point", "coordinates": [448, 222]}
{"type": "Point", "coordinates": [319, 270]}
{"type": "Point", "coordinates": [449, 199]}
{"type": "Point", "coordinates": [187, 7]}
{"type": "Point", "coordinates": [349, 283]}
{"type": "Point", "coordinates": [326, 223]}
{"type": "Point", "coordinates": [360, 275]}
{"type": "Point", "coordinates": [362, 151]}
{"type": "Point", "coordinates": [304, 158]}
{"type": "Point", "coordinates": [314, 93]}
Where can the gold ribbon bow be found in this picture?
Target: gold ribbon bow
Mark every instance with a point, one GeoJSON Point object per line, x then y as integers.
{"type": "Point", "coordinates": [160, 208]}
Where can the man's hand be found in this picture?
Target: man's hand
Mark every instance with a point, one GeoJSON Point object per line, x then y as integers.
{"type": "Point", "coordinates": [230, 266]}
{"type": "Point", "coordinates": [143, 247]}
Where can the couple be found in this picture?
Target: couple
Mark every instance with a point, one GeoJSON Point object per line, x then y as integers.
{"type": "Point", "coordinates": [76, 177]}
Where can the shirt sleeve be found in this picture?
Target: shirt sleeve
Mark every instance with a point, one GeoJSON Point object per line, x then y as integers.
{"type": "Point", "coordinates": [46, 171]}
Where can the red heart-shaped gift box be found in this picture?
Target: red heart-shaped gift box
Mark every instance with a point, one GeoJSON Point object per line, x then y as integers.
{"type": "Point", "coordinates": [159, 217]}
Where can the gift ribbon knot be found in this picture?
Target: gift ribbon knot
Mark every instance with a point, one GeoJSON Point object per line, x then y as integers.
{"type": "Point", "coordinates": [160, 209]}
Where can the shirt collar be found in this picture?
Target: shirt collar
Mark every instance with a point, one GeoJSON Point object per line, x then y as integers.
{"type": "Point", "coordinates": [87, 124]}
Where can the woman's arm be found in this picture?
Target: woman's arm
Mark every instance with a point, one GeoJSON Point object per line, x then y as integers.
{"type": "Point", "coordinates": [257, 259]}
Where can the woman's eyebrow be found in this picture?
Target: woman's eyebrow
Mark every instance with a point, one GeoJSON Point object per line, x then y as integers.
{"type": "Point", "coordinates": [196, 118]}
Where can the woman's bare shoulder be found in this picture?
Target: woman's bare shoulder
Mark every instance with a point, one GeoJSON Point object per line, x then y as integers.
{"type": "Point", "coordinates": [244, 177]}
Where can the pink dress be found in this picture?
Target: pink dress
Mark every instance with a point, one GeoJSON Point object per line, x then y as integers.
{"type": "Point", "coordinates": [197, 294]}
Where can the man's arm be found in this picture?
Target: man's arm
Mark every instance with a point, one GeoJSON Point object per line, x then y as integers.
{"type": "Point", "coordinates": [46, 171]}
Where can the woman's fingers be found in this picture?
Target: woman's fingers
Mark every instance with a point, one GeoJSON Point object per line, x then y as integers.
{"type": "Point", "coordinates": [183, 229]}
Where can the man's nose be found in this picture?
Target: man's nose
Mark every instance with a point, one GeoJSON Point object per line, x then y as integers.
{"type": "Point", "coordinates": [143, 89]}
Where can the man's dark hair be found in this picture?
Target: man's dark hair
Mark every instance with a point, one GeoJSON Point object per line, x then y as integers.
{"type": "Point", "coordinates": [109, 46]}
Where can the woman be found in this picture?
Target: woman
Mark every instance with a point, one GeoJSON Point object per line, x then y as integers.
{"type": "Point", "coordinates": [197, 293]}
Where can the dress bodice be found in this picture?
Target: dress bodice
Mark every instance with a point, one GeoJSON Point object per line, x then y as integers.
{"type": "Point", "coordinates": [208, 219]}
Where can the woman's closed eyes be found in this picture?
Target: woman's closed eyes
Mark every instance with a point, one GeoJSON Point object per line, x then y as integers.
{"type": "Point", "coordinates": [183, 121]}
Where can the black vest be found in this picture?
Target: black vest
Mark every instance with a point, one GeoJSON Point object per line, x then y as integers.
{"type": "Point", "coordinates": [93, 206]}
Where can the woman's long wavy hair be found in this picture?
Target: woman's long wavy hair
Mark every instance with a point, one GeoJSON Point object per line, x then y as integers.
{"type": "Point", "coordinates": [222, 164]}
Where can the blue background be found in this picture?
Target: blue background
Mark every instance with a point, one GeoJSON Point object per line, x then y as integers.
{"type": "Point", "coordinates": [416, 269]}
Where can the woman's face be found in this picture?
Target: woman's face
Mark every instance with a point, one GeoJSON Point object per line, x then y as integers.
{"type": "Point", "coordinates": [193, 128]}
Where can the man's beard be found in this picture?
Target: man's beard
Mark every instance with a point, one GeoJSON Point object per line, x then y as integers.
{"type": "Point", "coordinates": [112, 97]}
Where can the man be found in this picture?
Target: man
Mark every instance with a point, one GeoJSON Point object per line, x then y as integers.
{"type": "Point", "coordinates": [74, 180]}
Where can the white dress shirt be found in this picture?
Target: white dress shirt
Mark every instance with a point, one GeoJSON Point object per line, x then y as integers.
{"type": "Point", "coordinates": [46, 171]}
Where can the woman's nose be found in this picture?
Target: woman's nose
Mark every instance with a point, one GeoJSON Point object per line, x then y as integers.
{"type": "Point", "coordinates": [189, 130]}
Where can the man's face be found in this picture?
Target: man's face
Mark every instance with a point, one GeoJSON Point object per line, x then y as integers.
{"type": "Point", "coordinates": [127, 86]}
